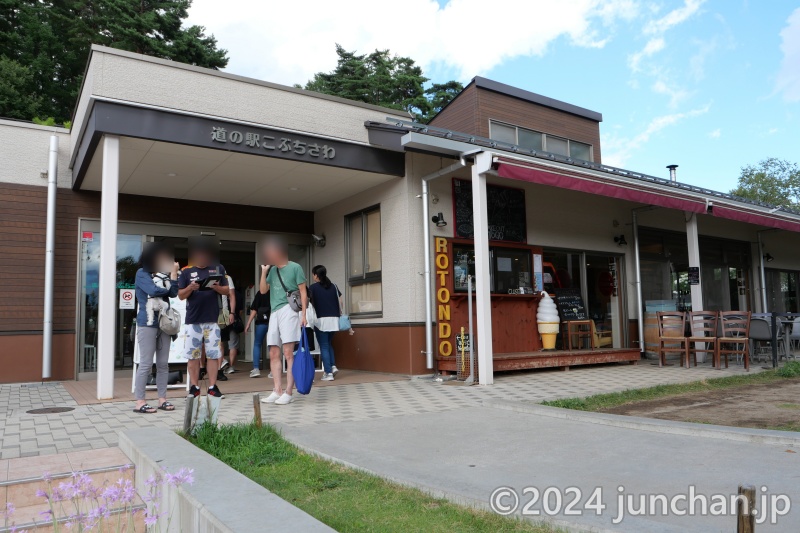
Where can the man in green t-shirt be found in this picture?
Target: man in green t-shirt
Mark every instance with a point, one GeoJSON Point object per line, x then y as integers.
{"type": "Point", "coordinates": [283, 277]}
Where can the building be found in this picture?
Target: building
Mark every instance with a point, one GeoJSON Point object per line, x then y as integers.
{"type": "Point", "coordinates": [163, 151]}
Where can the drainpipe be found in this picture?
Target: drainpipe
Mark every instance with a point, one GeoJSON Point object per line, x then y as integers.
{"type": "Point", "coordinates": [49, 259]}
{"type": "Point", "coordinates": [426, 231]}
{"type": "Point", "coordinates": [638, 269]}
{"type": "Point", "coordinates": [761, 273]}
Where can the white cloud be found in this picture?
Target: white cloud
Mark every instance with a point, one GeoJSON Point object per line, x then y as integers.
{"type": "Point", "coordinates": [676, 94]}
{"type": "Point", "coordinates": [652, 47]}
{"type": "Point", "coordinates": [673, 18]}
{"type": "Point", "coordinates": [287, 42]}
{"type": "Point", "coordinates": [715, 134]}
{"type": "Point", "coordinates": [788, 79]}
{"type": "Point", "coordinates": [618, 150]}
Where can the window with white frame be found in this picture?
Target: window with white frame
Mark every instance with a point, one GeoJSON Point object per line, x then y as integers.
{"type": "Point", "coordinates": [536, 140]}
{"type": "Point", "coordinates": [364, 262]}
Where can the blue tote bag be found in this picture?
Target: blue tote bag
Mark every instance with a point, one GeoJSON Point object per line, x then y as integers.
{"type": "Point", "coordinates": [303, 366]}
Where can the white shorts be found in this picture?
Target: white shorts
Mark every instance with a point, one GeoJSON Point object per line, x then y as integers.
{"type": "Point", "coordinates": [284, 327]}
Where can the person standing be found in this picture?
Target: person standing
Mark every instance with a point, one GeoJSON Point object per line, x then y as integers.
{"type": "Point", "coordinates": [230, 337]}
{"type": "Point", "coordinates": [202, 311]}
{"type": "Point", "coordinates": [259, 312]}
{"type": "Point", "coordinates": [327, 300]}
{"type": "Point", "coordinates": [284, 277]}
{"type": "Point", "coordinates": [157, 263]}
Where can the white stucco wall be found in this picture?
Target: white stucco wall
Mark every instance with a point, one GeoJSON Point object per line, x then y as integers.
{"type": "Point", "coordinates": [25, 153]}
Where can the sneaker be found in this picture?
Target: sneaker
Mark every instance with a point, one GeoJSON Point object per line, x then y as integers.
{"type": "Point", "coordinates": [230, 370]}
{"type": "Point", "coordinates": [255, 373]}
{"type": "Point", "coordinates": [221, 376]}
{"type": "Point", "coordinates": [284, 399]}
{"type": "Point", "coordinates": [270, 375]}
{"type": "Point", "coordinates": [194, 391]}
{"type": "Point", "coordinates": [334, 370]}
{"type": "Point", "coordinates": [272, 398]}
{"type": "Point", "coordinates": [224, 364]}
{"type": "Point", "coordinates": [327, 377]}
{"type": "Point", "coordinates": [214, 391]}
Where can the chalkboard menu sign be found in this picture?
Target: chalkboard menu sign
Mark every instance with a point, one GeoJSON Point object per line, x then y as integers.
{"type": "Point", "coordinates": [570, 304]}
{"type": "Point", "coordinates": [505, 208]}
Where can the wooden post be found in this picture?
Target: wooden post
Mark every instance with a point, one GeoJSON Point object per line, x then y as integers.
{"type": "Point", "coordinates": [257, 409]}
{"type": "Point", "coordinates": [187, 415]}
{"type": "Point", "coordinates": [746, 522]}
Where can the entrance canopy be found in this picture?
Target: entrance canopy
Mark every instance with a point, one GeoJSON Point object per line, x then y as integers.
{"type": "Point", "coordinates": [173, 155]}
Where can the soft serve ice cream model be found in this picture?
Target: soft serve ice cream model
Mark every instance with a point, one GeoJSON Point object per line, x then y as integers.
{"type": "Point", "coordinates": [548, 322]}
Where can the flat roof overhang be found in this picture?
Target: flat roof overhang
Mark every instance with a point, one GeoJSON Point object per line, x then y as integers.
{"type": "Point", "coordinates": [176, 155]}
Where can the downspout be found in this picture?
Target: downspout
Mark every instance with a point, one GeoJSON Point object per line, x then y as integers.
{"type": "Point", "coordinates": [426, 232]}
{"type": "Point", "coordinates": [761, 273]}
{"type": "Point", "coordinates": [49, 259]}
{"type": "Point", "coordinates": [638, 272]}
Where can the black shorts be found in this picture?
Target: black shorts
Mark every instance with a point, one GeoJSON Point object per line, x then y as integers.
{"type": "Point", "coordinates": [225, 333]}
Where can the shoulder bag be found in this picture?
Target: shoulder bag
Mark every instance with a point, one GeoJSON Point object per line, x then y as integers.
{"type": "Point", "coordinates": [294, 298]}
{"type": "Point", "coordinates": [344, 319]}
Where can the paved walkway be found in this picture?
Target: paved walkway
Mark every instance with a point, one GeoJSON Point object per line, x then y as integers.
{"type": "Point", "coordinates": [96, 426]}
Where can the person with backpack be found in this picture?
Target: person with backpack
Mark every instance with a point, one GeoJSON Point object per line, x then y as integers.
{"type": "Point", "coordinates": [156, 283]}
{"type": "Point", "coordinates": [327, 300]}
{"type": "Point", "coordinates": [259, 313]}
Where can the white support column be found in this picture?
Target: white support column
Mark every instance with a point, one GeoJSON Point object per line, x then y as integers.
{"type": "Point", "coordinates": [107, 293]}
{"type": "Point", "coordinates": [693, 243]}
{"type": "Point", "coordinates": [483, 162]}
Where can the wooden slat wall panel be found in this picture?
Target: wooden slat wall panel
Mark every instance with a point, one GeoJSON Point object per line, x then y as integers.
{"type": "Point", "coordinates": [471, 111]}
{"type": "Point", "coordinates": [462, 113]}
{"type": "Point", "coordinates": [23, 220]}
{"type": "Point", "coordinates": [496, 106]}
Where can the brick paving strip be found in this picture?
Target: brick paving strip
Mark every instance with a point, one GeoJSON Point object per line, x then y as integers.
{"type": "Point", "coordinates": [96, 425]}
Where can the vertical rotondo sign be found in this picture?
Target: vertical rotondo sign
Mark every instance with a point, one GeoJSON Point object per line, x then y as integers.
{"type": "Point", "coordinates": [442, 261]}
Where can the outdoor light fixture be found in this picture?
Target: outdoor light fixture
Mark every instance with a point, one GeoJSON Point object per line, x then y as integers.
{"type": "Point", "coordinates": [768, 258]}
{"type": "Point", "coordinates": [319, 240]}
{"type": "Point", "coordinates": [439, 220]}
{"type": "Point", "coordinates": [620, 240]}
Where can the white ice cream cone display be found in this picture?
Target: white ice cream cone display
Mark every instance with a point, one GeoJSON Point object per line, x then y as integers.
{"type": "Point", "coordinates": [548, 321]}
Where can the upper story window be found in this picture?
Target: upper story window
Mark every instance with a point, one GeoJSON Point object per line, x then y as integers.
{"type": "Point", "coordinates": [536, 140]}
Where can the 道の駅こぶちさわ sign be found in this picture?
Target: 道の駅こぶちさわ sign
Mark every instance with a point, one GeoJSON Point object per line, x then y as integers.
{"type": "Point", "coordinates": [442, 261]}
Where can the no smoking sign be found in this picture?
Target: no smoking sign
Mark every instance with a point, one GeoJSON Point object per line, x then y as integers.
{"type": "Point", "coordinates": [127, 299]}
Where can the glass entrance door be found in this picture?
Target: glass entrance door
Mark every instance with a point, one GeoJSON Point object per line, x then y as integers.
{"type": "Point", "coordinates": [129, 247]}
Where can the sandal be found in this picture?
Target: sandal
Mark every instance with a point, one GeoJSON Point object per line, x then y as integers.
{"type": "Point", "coordinates": [146, 409]}
{"type": "Point", "coordinates": [166, 406]}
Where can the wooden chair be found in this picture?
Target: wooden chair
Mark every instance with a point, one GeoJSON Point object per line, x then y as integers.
{"type": "Point", "coordinates": [734, 337]}
{"type": "Point", "coordinates": [672, 336]}
{"type": "Point", "coordinates": [703, 327]}
{"type": "Point", "coordinates": [602, 339]}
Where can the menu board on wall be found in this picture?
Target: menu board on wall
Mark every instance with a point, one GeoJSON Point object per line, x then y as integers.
{"type": "Point", "coordinates": [570, 304]}
{"type": "Point", "coordinates": [505, 209]}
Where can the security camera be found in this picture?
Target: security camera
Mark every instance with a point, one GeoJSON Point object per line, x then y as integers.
{"type": "Point", "coordinates": [319, 240]}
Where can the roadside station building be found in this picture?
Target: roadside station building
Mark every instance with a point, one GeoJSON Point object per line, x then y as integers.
{"type": "Point", "coordinates": [504, 185]}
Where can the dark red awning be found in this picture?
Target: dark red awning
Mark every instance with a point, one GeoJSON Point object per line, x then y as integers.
{"type": "Point", "coordinates": [755, 218]}
{"type": "Point", "coordinates": [596, 185]}
{"type": "Point", "coordinates": [640, 193]}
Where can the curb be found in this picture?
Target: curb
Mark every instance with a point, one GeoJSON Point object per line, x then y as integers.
{"type": "Point", "coordinates": [755, 436]}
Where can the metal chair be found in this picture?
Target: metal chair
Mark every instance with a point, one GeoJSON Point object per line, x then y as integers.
{"type": "Point", "coordinates": [734, 337]}
{"type": "Point", "coordinates": [703, 327]}
{"type": "Point", "coordinates": [672, 336]}
{"type": "Point", "coordinates": [761, 337]}
{"type": "Point", "coordinates": [794, 338]}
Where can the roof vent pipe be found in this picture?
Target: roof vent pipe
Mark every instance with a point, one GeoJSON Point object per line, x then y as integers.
{"type": "Point", "coordinates": [673, 174]}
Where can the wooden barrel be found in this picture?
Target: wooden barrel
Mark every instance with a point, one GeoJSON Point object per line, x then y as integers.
{"type": "Point", "coordinates": [651, 335]}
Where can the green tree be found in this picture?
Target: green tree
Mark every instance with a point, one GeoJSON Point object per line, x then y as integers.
{"type": "Point", "coordinates": [383, 79]}
{"type": "Point", "coordinates": [17, 98]}
{"type": "Point", "coordinates": [772, 181]}
{"type": "Point", "coordinates": [52, 39]}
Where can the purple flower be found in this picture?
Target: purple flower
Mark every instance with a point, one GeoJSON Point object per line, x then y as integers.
{"type": "Point", "coordinates": [9, 509]}
{"type": "Point", "coordinates": [112, 493]}
{"type": "Point", "coordinates": [47, 477]}
{"type": "Point", "coordinates": [150, 519]}
{"type": "Point", "coordinates": [184, 475]}
{"type": "Point", "coordinates": [47, 515]}
{"type": "Point", "coordinates": [41, 494]}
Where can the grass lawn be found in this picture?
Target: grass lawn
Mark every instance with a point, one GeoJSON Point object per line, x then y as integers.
{"type": "Point", "coordinates": [343, 498]}
{"type": "Point", "coordinates": [606, 401]}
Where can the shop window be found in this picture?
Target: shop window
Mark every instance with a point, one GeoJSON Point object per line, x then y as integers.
{"type": "Point", "coordinates": [535, 140]}
{"type": "Point", "coordinates": [364, 262]}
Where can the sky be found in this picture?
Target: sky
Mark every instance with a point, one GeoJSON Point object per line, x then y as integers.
{"type": "Point", "coordinates": [709, 85]}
